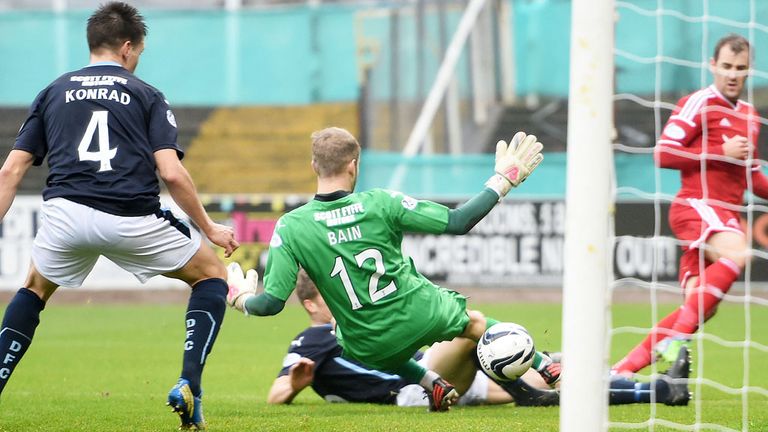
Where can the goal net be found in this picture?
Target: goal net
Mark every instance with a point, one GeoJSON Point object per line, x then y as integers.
{"type": "Point", "coordinates": [662, 52]}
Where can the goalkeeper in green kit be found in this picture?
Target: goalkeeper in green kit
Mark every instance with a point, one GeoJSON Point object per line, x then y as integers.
{"type": "Point", "coordinates": [350, 246]}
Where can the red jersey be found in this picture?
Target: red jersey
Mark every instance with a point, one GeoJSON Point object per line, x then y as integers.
{"type": "Point", "coordinates": [698, 127]}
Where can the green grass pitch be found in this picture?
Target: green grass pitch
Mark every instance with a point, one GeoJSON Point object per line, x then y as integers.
{"type": "Point", "coordinates": [108, 368]}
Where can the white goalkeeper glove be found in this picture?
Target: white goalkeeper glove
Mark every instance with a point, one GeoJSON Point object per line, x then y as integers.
{"type": "Point", "coordinates": [515, 162]}
{"type": "Point", "coordinates": [241, 288]}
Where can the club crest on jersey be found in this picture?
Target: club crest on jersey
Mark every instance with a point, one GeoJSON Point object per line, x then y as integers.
{"type": "Point", "coordinates": [409, 203]}
{"type": "Point", "coordinates": [276, 241]}
{"type": "Point", "coordinates": [171, 118]}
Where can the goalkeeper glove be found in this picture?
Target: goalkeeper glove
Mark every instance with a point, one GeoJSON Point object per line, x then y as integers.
{"type": "Point", "coordinates": [241, 288]}
{"type": "Point", "coordinates": [515, 162]}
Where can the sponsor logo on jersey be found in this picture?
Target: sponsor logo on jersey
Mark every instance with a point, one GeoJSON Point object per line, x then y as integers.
{"type": "Point", "coordinates": [674, 131]}
{"type": "Point", "coordinates": [297, 342]}
{"type": "Point", "coordinates": [340, 216]}
{"type": "Point", "coordinates": [98, 80]}
{"type": "Point", "coordinates": [725, 122]}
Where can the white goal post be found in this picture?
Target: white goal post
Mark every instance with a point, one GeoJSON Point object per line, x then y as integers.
{"type": "Point", "coordinates": [589, 203]}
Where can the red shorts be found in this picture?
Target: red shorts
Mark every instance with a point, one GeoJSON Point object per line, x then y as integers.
{"type": "Point", "coordinates": [694, 222]}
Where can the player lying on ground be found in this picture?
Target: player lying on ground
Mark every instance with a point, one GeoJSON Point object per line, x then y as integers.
{"type": "Point", "coordinates": [314, 359]}
{"type": "Point", "coordinates": [107, 136]}
{"type": "Point", "coordinates": [350, 245]}
{"type": "Point", "coordinates": [714, 126]}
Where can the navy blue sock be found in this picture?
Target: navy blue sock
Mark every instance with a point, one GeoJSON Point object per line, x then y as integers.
{"type": "Point", "coordinates": [626, 391]}
{"type": "Point", "coordinates": [205, 312]}
{"type": "Point", "coordinates": [19, 323]}
{"type": "Point", "coordinates": [622, 391]}
{"type": "Point", "coordinates": [527, 395]}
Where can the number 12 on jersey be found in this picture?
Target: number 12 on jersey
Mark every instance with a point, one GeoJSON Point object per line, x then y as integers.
{"type": "Point", "coordinates": [374, 292]}
{"type": "Point", "coordinates": [104, 155]}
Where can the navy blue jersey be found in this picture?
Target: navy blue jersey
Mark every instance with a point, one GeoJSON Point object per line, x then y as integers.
{"type": "Point", "coordinates": [100, 127]}
{"type": "Point", "coordinates": [336, 377]}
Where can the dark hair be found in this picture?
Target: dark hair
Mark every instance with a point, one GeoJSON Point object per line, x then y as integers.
{"type": "Point", "coordinates": [737, 43]}
{"type": "Point", "coordinates": [305, 288]}
{"type": "Point", "coordinates": [114, 23]}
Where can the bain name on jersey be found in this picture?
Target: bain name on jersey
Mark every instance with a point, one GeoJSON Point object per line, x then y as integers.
{"type": "Point", "coordinates": [344, 235]}
{"type": "Point", "coordinates": [97, 93]}
{"type": "Point", "coordinates": [339, 216]}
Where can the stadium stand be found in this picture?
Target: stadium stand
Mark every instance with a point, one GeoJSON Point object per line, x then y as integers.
{"type": "Point", "coordinates": [261, 149]}
{"type": "Point", "coordinates": [264, 149]}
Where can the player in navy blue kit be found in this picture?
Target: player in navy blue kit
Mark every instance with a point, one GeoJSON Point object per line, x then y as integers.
{"type": "Point", "coordinates": [318, 355]}
{"type": "Point", "coordinates": [107, 135]}
{"type": "Point", "coordinates": [315, 359]}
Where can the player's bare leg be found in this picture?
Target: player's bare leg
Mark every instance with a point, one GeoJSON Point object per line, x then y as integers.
{"type": "Point", "coordinates": [461, 351]}
{"type": "Point", "coordinates": [207, 276]}
{"type": "Point", "coordinates": [38, 284]}
{"type": "Point", "coordinates": [453, 360]}
{"type": "Point", "coordinates": [477, 325]}
{"type": "Point", "coordinates": [20, 321]}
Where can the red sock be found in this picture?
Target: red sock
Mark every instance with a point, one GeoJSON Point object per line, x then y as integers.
{"type": "Point", "coordinates": [640, 356]}
{"type": "Point", "coordinates": [717, 280]}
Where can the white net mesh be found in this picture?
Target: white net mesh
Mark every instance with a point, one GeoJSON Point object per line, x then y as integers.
{"type": "Point", "coordinates": [663, 49]}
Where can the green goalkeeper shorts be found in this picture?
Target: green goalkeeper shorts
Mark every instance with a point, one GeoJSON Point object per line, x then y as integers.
{"type": "Point", "coordinates": [448, 316]}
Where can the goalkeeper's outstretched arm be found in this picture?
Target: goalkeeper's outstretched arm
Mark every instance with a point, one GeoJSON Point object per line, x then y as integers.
{"type": "Point", "coordinates": [465, 217]}
{"type": "Point", "coordinates": [263, 304]}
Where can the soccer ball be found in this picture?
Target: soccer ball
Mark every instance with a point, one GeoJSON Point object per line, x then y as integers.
{"type": "Point", "coordinates": [505, 351]}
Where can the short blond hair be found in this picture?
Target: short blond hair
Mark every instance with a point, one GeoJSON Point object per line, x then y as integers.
{"type": "Point", "coordinates": [332, 149]}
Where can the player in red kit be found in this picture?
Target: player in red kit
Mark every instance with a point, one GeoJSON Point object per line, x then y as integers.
{"type": "Point", "coordinates": [710, 138]}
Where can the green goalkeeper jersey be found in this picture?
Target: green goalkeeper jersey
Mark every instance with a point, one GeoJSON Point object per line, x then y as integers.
{"type": "Point", "coordinates": [350, 246]}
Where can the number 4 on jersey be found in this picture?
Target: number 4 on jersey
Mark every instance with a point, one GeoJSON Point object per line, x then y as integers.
{"type": "Point", "coordinates": [104, 155]}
